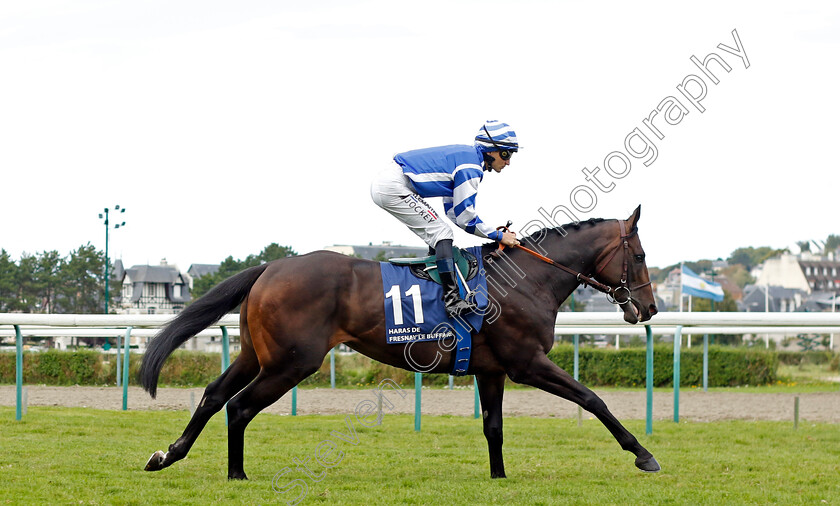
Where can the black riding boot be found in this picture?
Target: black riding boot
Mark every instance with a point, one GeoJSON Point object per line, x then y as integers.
{"type": "Point", "coordinates": [455, 305]}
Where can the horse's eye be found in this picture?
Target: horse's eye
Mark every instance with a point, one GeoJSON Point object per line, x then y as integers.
{"type": "Point", "coordinates": [639, 258]}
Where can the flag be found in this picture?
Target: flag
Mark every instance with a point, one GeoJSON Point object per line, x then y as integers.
{"type": "Point", "coordinates": [694, 285]}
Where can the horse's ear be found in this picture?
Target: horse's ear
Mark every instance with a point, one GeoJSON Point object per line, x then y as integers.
{"type": "Point", "coordinates": [634, 218]}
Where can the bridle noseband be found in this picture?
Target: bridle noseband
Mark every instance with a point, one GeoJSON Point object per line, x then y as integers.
{"type": "Point", "coordinates": [612, 293]}
{"type": "Point", "coordinates": [623, 287]}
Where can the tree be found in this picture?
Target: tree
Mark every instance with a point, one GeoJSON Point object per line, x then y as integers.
{"type": "Point", "coordinates": [832, 242]}
{"type": "Point", "coordinates": [700, 266]}
{"type": "Point", "coordinates": [49, 283]}
{"type": "Point", "coordinates": [658, 275]}
{"type": "Point", "coordinates": [82, 281]}
{"type": "Point", "coordinates": [8, 290]}
{"type": "Point", "coordinates": [230, 266]}
{"type": "Point", "coordinates": [37, 280]}
{"type": "Point", "coordinates": [274, 252]}
{"type": "Point", "coordinates": [47, 276]}
{"type": "Point", "coordinates": [727, 305]}
{"type": "Point", "coordinates": [750, 257]}
{"type": "Point", "coordinates": [738, 274]}
{"type": "Point", "coordinates": [26, 281]}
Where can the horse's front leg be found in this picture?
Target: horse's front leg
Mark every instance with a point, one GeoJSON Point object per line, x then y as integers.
{"type": "Point", "coordinates": [490, 391]}
{"type": "Point", "coordinates": [545, 375]}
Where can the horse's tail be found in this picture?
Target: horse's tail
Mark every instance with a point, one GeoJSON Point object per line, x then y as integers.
{"type": "Point", "coordinates": [196, 317]}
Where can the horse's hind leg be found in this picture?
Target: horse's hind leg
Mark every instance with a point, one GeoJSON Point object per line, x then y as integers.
{"type": "Point", "coordinates": [217, 393]}
{"type": "Point", "coordinates": [545, 375]}
{"type": "Point", "coordinates": [271, 384]}
{"type": "Point", "coordinates": [490, 391]}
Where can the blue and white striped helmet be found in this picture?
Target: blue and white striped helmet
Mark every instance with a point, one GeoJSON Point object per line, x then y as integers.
{"type": "Point", "coordinates": [495, 135]}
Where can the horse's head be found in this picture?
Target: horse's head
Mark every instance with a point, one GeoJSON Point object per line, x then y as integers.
{"type": "Point", "coordinates": [624, 270]}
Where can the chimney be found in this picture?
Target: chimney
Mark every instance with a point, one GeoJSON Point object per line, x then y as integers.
{"type": "Point", "coordinates": [163, 261]}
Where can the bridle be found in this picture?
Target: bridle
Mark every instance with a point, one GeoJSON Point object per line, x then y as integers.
{"type": "Point", "coordinates": [612, 293]}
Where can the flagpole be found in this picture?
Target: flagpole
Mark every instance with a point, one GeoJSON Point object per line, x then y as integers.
{"type": "Point", "coordinates": [766, 297]}
{"type": "Point", "coordinates": [713, 281]}
{"type": "Point", "coordinates": [689, 297]}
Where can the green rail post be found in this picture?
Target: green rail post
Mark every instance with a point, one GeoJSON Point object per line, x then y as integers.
{"type": "Point", "coordinates": [705, 362]}
{"type": "Point", "coordinates": [649, 381]}
{"type": "Point", "coordinates": [18, 373]}
{"type": "Point", "coordinates": [477, 400]}
{"type": "Point", "coordinates": [418, 386]}
{"type": "Point", "coordinates": [225, 349]}
{"type": "Point", "coordinates": [576, 339]}
{"type": "Point", "coordinates": [677, 344]}
{"type": "Point", "coordinates": [294, 400]}
{"type": "Point", "coordinates": [332, 368]}
{"type": "Point", "coordinates": [451, 382]}
{"type": "Point", "coordinates": [125, 367]}
{"type": "Point", "coordinates": [119, 367]}
{"type": "Point", "coordinates": [225, 360]}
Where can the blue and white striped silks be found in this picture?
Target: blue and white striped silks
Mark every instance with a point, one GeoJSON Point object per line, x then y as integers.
{"type": "Point", "coordinates": [452, 172]}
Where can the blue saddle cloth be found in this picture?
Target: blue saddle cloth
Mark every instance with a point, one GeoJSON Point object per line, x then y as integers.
{"type": "Point", "coordinates": [414, 309]}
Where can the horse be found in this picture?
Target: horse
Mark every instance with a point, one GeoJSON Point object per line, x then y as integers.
{"type": "Point", "coordinates": [294, 310]}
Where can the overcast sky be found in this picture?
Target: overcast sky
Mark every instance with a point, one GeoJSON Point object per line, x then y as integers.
{"type": "Point", "coordinates": [225, 126]}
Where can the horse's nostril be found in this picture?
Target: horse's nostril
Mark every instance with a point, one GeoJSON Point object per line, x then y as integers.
{"type": "Point", "coordinates": [653, 309]}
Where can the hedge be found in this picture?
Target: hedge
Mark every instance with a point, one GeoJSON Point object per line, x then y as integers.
{"type": "Point", "coordinates": [626, 368]}
{"type": "Point", "coordinates": [598, 367]}
{"type": "Point", "coordinates": [805, 357]}
{"type": "Point", "coordinates": [55, 368]}
{"type": "Point", "coordinates": [193, 369]}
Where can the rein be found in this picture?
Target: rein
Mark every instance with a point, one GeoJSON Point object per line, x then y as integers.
{"type": "Point", "coordinates": [611, 293]}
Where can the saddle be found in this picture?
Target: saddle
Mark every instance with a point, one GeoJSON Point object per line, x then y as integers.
{"type": "Point", "coordinates": [426, 268]}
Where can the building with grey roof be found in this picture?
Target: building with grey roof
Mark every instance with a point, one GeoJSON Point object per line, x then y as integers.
{"type": "Point", "coordinates": [152, 289]}
{"type": "Point", "coordinates": [197, 270]}
{"type": "Point", "coordinates": [773, 299]}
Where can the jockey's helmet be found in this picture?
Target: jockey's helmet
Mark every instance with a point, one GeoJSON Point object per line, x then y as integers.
{"type": "Point", "coordinates": [496, 136]}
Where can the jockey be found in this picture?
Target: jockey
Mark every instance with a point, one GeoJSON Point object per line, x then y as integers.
{"type": "Point", "coordinates": [452, 172]}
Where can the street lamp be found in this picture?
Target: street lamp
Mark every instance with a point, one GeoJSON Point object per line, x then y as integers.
{"type": "Point", "coordinates": [107, 260]}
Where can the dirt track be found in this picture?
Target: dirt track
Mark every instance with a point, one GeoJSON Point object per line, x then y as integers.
{"type": "Point", "coordinates": [694, 405]}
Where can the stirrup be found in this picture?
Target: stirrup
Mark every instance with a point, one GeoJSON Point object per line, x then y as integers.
{"type": "Point", "coordinates": [459, 307]}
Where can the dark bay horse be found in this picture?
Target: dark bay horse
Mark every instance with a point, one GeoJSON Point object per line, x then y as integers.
{"type": "Point", "coordinates": [294, 310]}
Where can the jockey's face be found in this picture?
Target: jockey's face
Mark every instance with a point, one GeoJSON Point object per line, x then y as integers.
{"type": "Point", "coordinates": [497, 164]}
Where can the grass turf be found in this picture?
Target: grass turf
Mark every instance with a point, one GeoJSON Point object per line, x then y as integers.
{"type": "Point", "coordinates": [86, 456]}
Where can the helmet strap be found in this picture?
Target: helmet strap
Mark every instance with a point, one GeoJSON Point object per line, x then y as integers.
{"type": "Point", "coordinates": [487, 161]}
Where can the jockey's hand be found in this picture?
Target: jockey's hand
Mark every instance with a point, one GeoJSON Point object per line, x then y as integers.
{"type": "Point", "coordinates": [509, 239]}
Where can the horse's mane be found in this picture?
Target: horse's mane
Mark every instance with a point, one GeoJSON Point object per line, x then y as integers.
{"type": "Point", "coordinates": [575, 225]}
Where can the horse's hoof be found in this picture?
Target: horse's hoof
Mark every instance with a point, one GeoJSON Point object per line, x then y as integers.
{"type": "Point", "coordinates": [648, 465]}
{"type": "Point", "coordinates": [155, 462]}
{"type": "Point", "coordinates": [237, 476]}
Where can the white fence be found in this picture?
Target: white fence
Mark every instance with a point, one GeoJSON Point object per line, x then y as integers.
{"type": "Point", "coordinates": [689, 324]}
{"type": "Point", "coordinates": [563, 319]}
{"type": "Point", "coordinates": [42, 325]}
{"type": "Point", "coordinates": [566, 323]}
{"type": "Point", "coordinates": [87, 325]}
